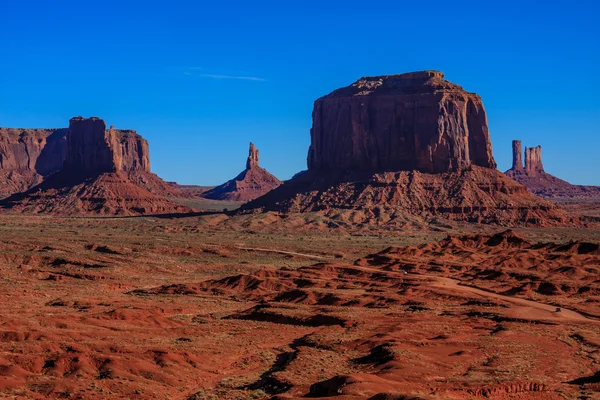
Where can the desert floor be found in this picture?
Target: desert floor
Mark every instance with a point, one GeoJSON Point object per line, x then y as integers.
{"type": "Point", "coordinates": [161, 308]}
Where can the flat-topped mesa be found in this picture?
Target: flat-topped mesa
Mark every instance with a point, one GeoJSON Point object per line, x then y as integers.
{"type": "Point", "coordinates": [533, 160]}
{"type": "Point", "coordinates": [414, 121]}
{"type": "Point", "coordinates": [252, 160]}
{"type": "Point", "coordinates": [92, 149]}
{"type": "Point", "coordinates": [517, 155]}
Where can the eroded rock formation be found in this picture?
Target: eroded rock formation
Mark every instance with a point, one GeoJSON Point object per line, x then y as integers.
{"type": "Point", "coordinates": [543, 184]}
{"type": "Point", "coordinates": [252, 160]}
{"type": "Point", "coordinates": [90, 149]}
{"type": "Point", "coordinates": [104, 171]}
{"type": "Point", "coordinates": [533, 160]}
{"type": "Point", "coordinates": [517, 155]}
{"type": "Point", "coordinates": [410, 144]}
{"type": "Point", "coordinates": [94, 149]}
{"type": "Point", "coordinates": [415, 121]}
{"type": "Point", "coordinates": [251, 183]}
{"type": "Point", "coordinates": [29, 155]}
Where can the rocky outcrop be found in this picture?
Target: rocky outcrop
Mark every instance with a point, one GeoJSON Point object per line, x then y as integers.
{"type": "Point", "coordinates": [477, 194]}
{"type": "Point", "coordinates": [251, 183]}
{"type": "Point", "coordinates": [415, 121]}
{"type": "Point", "coordinates": [104, 172]}
{"type": "Point", "coordinates": [414, 145]}
{"type": "Point", "coordinates": [29, 155]}
{"type": "Point", "coordinates": [533, 160]}
{"type": "Point", "coordinates": [93, 149]}
{"type": "Point", "coordinates": [134, 152]}
{"type": "Point", "coordinates": [90, 149]}
{"type": "Point", "coordinates": [517, 155]}
{"type": "Point", "coordinates": [252, 160]}
{"type": "Point", "coordinates": [543, 184]}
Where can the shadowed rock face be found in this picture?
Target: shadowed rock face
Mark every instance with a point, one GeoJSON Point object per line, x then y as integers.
{"type": "Point", "coordinates": [40, 150]}
{"type": "Point", "coordinates": [92, 149]}
{"type": "Point", "coordinates": [29, 155]}
{"type": "Point", "coordinates": [414, 121]}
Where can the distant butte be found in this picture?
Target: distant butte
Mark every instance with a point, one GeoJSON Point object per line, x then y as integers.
{"type": "Point", "coordinates": [103, 172]}
{"type": "Point", "coordinates": [387, 147]}
{"type": "Point", "coordinates": [541, 183]}
{"type": "Point", "coordinates": [251, 183]}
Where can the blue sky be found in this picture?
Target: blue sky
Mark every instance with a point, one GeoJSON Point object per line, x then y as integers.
{"type": "Point", "coordinates": [201, 79]}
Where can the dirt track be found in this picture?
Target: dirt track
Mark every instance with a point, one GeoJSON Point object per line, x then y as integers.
{"type": "Point", "coordinates": [526, 309]}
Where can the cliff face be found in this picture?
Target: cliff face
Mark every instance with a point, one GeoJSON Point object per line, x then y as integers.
{"type": "Point", "coordinates": [252, 160]}
{"type": "Point", "coordinates": [134, 153]}
{"type": "Point", "coordinates": [415, 121]}
{"type": "Point", "coordinates": [90, 149]}
{"type": "Point", "coordinates": [251, 183]}
{"type": "Point", "coordinates": [29, 155]}
{"type": "Point", "coordinates": [39, 150]}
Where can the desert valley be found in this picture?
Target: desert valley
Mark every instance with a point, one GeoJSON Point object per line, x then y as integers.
{"type": "Point", "coordinates": [401, 264]}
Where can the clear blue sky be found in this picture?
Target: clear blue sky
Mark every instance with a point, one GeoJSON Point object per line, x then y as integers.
{"type": "Point", "coordinates": [201, 79]}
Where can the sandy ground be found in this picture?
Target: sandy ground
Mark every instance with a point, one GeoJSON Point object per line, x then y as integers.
{"type": "Point", "coordinates": [158, 308]}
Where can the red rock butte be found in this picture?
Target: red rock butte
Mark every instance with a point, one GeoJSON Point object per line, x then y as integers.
{"type": "Point", "coordinates": [414, 121]}
{"type": "Point", "coordinates": [409, 144]}
{"type": "Point", "coordinates": [103, 172]}
{"type": "Point", "coordinates": [533, 176]}
{"type": "Point", "coordinates": [251, 183]}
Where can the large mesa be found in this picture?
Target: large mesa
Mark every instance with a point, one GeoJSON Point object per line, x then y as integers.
{"type": "Point", "coordinates": [412, 144]}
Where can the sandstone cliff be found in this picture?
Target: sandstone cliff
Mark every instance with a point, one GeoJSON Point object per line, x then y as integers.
{"type": "Point", "coordinates": [251, 183]}
{"type": "Point", "coordinates": [104, 171]}
{"type": "Point", "coordinates": [412, 144]}
{"type": "Point", "coordinates": [94, 149]}
{"type": "Point", "coordinates": [415, 121]}
{"type": "Point", "coordinates": [29, 155]}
